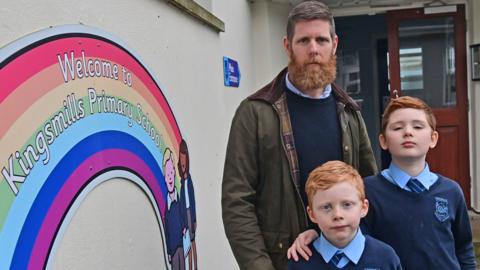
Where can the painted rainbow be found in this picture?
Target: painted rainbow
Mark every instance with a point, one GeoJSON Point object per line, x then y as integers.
{"type": "Point", "coordinates": [75, 104]}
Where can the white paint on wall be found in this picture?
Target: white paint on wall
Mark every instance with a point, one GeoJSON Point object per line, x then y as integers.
{"type": "Point", "coordinates": [114, 227]}
{"type": "Point", "coordinates": [207, 4]}
{"type": "Point", "coordinates": [270, 20]}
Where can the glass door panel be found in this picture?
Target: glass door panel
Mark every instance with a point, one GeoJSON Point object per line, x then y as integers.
{"type": "Point", "coordinates": [427, 60]}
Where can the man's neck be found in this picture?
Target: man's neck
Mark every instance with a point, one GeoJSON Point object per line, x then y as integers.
{"type": "Point", "coordinates": [313, 93]}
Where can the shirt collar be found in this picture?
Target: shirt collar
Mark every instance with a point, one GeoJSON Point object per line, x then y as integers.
{"type": "Point", "coordinates": [399, 177]}
{"type": "Point", "coordinates": [326, 92]}
{"type": "Point", "coordinates": [353, 250]}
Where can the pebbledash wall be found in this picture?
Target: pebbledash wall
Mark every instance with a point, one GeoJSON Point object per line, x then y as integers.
{"type": "Point", "coordinates": [92, 195]}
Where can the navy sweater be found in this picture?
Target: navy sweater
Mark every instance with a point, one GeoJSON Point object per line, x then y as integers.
{"type": "Point", "coordinates": [376, 255]}
{"type": "Point", "coordinates": [316, 131]}
{"type": "Point", "coordinates": [174, 225]}
{"type": "Point", "coordinates": [428, 230]}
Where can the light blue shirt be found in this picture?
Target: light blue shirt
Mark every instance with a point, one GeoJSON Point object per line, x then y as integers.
{"type": "Point", "coordinates": [400, 178]}
{"type": "Point", "coordinates": [353, 251]}
{"type": "Point", "coordinates": [326, 92]}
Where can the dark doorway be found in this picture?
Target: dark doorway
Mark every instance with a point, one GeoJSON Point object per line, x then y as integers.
{"type": "Point", "coordinates": [363, 70]}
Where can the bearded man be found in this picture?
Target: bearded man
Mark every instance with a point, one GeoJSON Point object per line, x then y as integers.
{"type": "Point", "coordinates": [282, 132]}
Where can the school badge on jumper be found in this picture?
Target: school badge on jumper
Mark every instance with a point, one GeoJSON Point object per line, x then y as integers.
{"type": "Point", "coordinates": [441, 209]}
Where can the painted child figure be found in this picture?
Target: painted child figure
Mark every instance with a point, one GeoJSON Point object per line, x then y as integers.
{"type": "Point", "coordinates": [188, 204]}
{"type": "Point", "coordinates": [336, 203]}
{"type": "Point", "coordinates": [174, 220]}
{"type": "Point", "coordinates": [422, 215]}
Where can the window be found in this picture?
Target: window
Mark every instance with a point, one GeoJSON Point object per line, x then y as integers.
{"type": "Point", "coordinates": [200, 12]}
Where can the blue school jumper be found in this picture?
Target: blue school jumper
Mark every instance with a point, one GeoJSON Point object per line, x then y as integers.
{"type": "Point", "coordinates": [376, 255]}
{"type": "Point", "coordinates": [428, 230]}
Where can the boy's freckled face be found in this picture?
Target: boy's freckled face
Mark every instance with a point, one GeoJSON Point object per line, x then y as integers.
{"type": "Point", "coordinates": [337, 211]}
{"type": "Point", "coordinates": [408, 135]}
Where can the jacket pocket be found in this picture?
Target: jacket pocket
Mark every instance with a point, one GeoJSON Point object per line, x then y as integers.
{"type": "Point", "coordinates": [277, 244]}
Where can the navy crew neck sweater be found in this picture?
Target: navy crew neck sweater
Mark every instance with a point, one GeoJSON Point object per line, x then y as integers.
{"type": "Point", "coordinates": [376, 255]}
{"type": "Point", "coordinates": [316, 132]}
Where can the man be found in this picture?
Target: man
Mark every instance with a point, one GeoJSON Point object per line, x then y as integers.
{"type": "Point", "coordinates": [281, 133]}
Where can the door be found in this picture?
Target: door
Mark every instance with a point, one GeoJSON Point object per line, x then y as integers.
{"type": "Point", "coordinates": [362, 68]}
{"type": "Point", "coordinates": [427, 59]}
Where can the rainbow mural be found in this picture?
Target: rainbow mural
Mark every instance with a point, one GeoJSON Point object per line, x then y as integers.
{"type": "Point", "coordinates": [75, 104]}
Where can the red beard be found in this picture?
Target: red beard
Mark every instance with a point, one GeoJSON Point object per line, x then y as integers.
{"type": "Point", "coordinates": [312, 75]}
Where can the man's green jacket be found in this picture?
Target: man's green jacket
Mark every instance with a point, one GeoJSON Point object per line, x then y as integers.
{"type": "Point", "coordinates": [262, 209]}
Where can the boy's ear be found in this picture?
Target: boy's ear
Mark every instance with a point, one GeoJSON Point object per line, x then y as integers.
{"type": "Point", "coordinates": [365, 206]}
{"type": "Point", "coordinates": [434, 139]}
{"type": "Point", "coordinates": [383, 142]}
{"type": "Point", "coordinates": [310, 214]}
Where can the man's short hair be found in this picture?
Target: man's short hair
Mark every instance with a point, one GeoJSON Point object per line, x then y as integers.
{"type": "Point", "coordinates": [407, 102]}
{"type": "Point", "coordinates": [330, 174]}
{"type": "Point", "coordinates": [309, 11]}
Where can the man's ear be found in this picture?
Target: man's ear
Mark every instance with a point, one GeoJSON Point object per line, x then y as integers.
{"type": "Point", "coordinates": [286, 46]}
{"type": "Point", "coordinates": [335, 44]}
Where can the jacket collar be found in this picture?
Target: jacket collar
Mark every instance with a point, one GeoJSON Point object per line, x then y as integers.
{"type": "Point", "coordinates": [275, 89]}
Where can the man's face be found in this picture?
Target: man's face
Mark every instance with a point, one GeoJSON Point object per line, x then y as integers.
{"type": "Point", "coordinates": [312, 55]}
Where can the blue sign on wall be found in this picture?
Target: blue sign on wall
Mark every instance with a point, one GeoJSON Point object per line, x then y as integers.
{"type": "Point", "coordinates": [231, 72]}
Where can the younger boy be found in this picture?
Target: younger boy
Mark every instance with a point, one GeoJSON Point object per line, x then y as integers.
{"type": "Point", "coordinates": [422, 215]}
{"type": "Point", "coordinates": [336, 203]}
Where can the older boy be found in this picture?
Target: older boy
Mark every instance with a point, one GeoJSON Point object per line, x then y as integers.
{"type": "Point", "coordinates": [337, 202]}
{"type": "Point", "coordinates": [422, 215]}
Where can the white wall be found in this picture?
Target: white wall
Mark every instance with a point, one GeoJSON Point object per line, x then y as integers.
{"type": "Point", "coordinates": [122, 231]}
{"type": "Point", "coordinates": [186, 58]}
{"type": "Point", "coordinates": [269, 20]}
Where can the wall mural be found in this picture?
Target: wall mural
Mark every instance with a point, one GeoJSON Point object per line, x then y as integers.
{"type": "Point", "coordinates": [78, 108]}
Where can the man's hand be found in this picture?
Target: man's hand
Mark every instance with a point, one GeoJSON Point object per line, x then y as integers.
{"type": "Point", "coordinates": [300, 246]}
